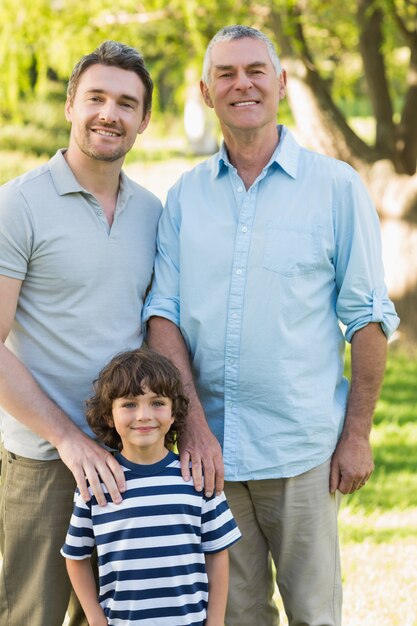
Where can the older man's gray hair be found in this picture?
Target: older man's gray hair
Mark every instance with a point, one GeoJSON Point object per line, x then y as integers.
{"type": "Point", "coordinates": [239, 32]}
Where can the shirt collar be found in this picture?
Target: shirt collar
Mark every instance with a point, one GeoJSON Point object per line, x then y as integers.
{"type": "Point", "coordinates": [286, 155]}
{"type": "Point", "coordinates": [65, 181]}
{"type": "Point", "coordinates": [62, 175]}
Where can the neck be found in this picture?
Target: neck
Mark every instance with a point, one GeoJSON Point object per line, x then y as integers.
{"type": "Point", "coordinates": [250, 151]}
{"type": "Point", "coordinates": [144, 456]}
{"type": "Point", "coordinates": [100, 178]}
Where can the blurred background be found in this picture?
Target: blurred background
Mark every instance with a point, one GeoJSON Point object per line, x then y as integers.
{"type": "Point", "coordinates": [352, 94]}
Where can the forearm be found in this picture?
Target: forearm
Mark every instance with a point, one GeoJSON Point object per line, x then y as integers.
{"type": "Point", "coordinates": [352, 462]}
{"type": "Point", "coordinates": [197, 443]}
{"type": "Point", "coordinates": [368, 359]}
{"type": "Point", "coordinates": [84, 584]}
{"type": "Point", "coordinates": [21, 396]}
{"type": "Point", "coordinates": [166, 338]}
{"type": "Point", "coordinates": [217, 566]}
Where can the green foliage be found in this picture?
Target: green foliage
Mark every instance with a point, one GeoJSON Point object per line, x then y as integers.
{"type": "Point", "coordinates": [357, 529]}
{"type": "Point", "coordinates": [43, 37]}
{"type": "Point", "coordinates": [41, 131]}
{"type": "Point", "coordinates": [398, 403]}
{"type": "Point", "coordinates": [14, 163]}
{"type": "Point", "coordinates": [32, 139]}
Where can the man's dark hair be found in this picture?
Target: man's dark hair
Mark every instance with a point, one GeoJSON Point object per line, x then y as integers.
{"type": "Point", "coordinates": [115, 54]}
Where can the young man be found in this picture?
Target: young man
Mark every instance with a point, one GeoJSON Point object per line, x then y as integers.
{"type": "Point", "coordinates": [77, 245]}
{"type": "Point", "coordinates": [262, 250]}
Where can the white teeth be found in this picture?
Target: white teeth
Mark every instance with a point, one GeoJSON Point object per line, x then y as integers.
{"type": "Point", "coordinates": [244, 104]}
{"type": "Point", "coordinates": [106, 133]}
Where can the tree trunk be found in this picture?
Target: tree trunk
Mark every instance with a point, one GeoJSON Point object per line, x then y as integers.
{"type": "Point", "coordinates": [370, 19]}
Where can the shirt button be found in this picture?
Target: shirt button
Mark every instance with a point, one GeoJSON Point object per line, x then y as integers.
{"type": "Point", "coordinates": [234, 315]}
{"type": "Point", "coordinates": [244, 229]}
{"type": "Point", "coordinates": [239, 189]}
{"type": "Point", "coordinates": [99, 212]}
{"type": "Point", "coordinates": [238, 272]}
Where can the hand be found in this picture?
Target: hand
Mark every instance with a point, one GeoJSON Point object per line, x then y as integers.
{"type": "Point", "coordinates": [200, 446]}
{"type": "Point", "coordinates": [351, 464]}
{"type": "Point", "coordinates": [89, 461]}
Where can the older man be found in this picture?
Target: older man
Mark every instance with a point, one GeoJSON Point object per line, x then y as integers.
{"type": "Point", "coordinates": [263, 249]}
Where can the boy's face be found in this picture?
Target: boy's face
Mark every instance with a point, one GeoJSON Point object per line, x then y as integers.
{"type": "Point", "coordinates": [142, 423]}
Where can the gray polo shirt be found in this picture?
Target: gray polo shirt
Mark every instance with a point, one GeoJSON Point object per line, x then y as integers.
{"type": "Point", "coordinates": [83, 284]}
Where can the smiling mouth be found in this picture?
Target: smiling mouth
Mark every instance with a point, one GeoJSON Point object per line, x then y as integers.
{"type": "Point", "coordinates": [245, 103]}
{"type": "Point", "coordinates": [106, 133]}
{"type": "Point", "coordinates": [144, 429]}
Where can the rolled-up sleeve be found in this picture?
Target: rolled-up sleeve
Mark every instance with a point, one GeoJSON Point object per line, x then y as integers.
{"type": "Point", "coordinates": [163, 298]}
{"type": "Point", "coordinates": [362, 295]}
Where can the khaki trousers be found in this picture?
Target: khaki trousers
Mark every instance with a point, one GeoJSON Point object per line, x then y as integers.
{"type": "Point", "coordinates": [36, 501]}
{"type": "Point", "coordinates": [291, 522]}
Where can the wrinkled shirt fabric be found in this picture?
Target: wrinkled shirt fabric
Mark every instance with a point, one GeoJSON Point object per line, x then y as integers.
{"type": "Point", "coordinates": [266, 284]}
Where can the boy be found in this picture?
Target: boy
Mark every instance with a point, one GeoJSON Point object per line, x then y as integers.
{"type": "Point", "coordinates": [162, 551]}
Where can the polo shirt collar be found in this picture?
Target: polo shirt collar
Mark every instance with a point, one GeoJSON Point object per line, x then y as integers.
{"type": "Point", "coordinates": [62, 175]}
{"type": "Point", "coordinates": [65, 181]}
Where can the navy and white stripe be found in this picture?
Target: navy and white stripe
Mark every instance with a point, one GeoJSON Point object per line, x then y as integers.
{"type": "Point", "coordinates": [151, 547]}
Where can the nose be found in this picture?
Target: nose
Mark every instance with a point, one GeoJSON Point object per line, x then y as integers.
{"type": "Point", "coordinates": [242, 80]}
{"type": "Point", "coordinates": [108, 112]}
{"type": "Point", "coordinates": [141, 414]}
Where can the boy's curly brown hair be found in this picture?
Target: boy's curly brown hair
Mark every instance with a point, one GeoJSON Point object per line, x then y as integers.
{"type": "Point", "coordinates": [126, 375]}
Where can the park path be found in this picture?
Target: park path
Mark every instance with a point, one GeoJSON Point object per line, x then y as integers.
{"type": "Point", "coordinates": [158, 176]}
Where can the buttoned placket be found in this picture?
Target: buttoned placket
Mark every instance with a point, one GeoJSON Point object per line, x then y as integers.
{"type": "Point", "coordinates": [246, 204]}
{"type": "Point", "coordinates": [122, 198]}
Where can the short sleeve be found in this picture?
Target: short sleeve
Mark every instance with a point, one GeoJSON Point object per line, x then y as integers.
{"type": "Point", "coordinates": [16, 233]}
{"type": "Point", "coordinates": [218, 528]}
{"type": "Point", "coordinates": [79, 542]}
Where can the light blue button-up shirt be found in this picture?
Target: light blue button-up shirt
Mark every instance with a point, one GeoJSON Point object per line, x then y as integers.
{"type": "Point", "coordinates": [258, 280]}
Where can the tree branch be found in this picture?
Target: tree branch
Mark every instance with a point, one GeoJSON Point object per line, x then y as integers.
{"type": "Point", "coordinates": [406, 135]}
{"type": "Point", "coordinates": [407, 128]}
{"type": "Point", "coordinates": [407, 34]}
{"type": "Point", "coordinates": [321, 122]}
{"type": "Point", "coordinates": [370, 19]}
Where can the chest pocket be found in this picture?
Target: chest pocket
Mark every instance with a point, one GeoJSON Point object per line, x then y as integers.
{"type": "Point", "coordinates": [291, 252]}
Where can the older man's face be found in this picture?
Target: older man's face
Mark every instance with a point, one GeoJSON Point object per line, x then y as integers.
{"type": "Point", "coordinates": [244, 88]}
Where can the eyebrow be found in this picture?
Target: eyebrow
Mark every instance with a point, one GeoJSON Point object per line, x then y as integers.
{"type": "Point", "coordinates": [124, 96]}
{"type": "Point", "coordinates": [223, 68]}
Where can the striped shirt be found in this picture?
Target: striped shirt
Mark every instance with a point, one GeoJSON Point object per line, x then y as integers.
{"type": "Point", "coordinates": [151, 547]}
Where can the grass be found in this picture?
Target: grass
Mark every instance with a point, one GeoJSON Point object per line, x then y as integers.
{"type": "Point", "coordinates": [386, 510]}
{"type": "Point", "coordinates": [393, 484]}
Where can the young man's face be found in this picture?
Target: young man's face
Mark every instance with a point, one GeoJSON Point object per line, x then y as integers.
{"type": "Point", "coordinates": [244, 87]}
{"type": "Point", "coordinates": [142, 423]}
{"type": "Point", "coordinates": [106, 113]}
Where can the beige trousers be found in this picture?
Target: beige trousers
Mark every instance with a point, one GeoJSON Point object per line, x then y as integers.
{"type": "Point", "coordinates": [36, 501]}
{"type": "Point", "coordinates": [291, 522]}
